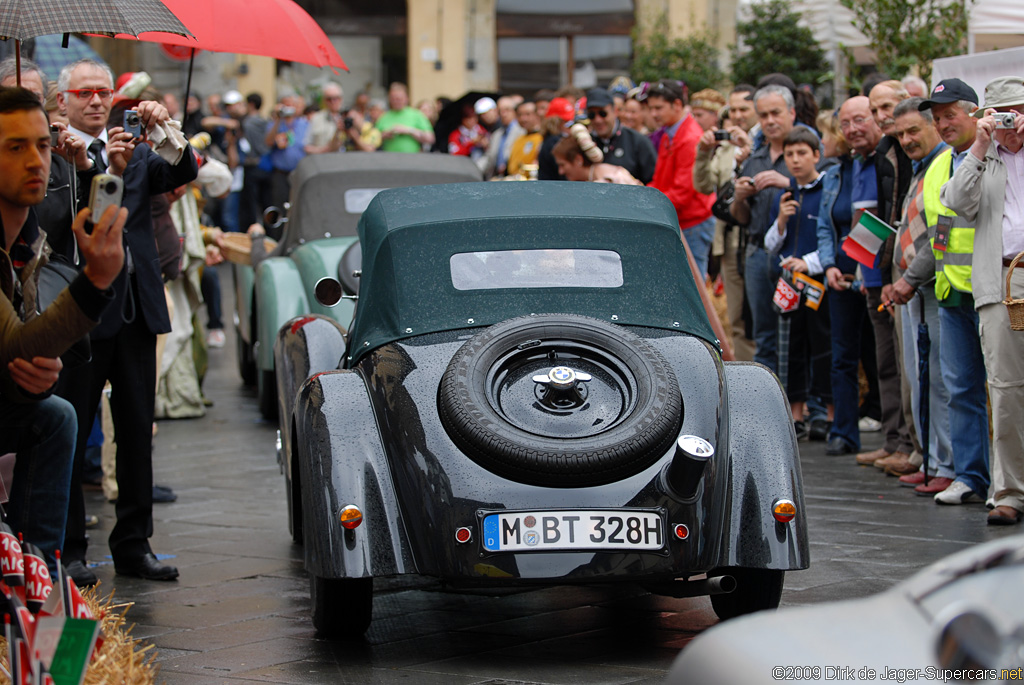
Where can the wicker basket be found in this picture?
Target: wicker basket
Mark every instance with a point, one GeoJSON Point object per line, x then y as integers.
{"type": "Point", "coordinates": [236, 247]}
{"type": "Point", "coordinates": [1015, 308]}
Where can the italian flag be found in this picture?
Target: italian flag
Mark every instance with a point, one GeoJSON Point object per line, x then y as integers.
{"type": "Point", "coordinates": [866, 238]}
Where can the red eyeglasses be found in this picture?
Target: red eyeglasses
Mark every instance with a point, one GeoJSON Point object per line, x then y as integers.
{"type": "Point", "coordinates": [88, 93]}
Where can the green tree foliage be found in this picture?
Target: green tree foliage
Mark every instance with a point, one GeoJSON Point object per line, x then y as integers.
{"type": "Point", "coordinates": [692, 60]}
{"type": "Point", "coordinates": [908, 32]}
{"type": "Point", "coordinates": [772, 41]}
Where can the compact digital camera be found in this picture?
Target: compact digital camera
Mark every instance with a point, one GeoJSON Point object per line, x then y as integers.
{"type": "Point", "coordinates": [721, 135]}
{"type": "Point", "coordinates": [106, 190]}
{"type": "Point", "coordinates": [54, 135]}
{"type": "Point", "coordinates": [1005, 119]}
{"type": "Point", "coordinates": [133, 123]}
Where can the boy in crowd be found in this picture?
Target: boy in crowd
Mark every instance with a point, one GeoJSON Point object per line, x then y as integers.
{"type": "Point", "coordinates": [793, 237]}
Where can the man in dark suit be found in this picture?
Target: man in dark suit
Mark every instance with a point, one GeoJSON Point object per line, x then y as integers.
{"type": "Point", "coordinates": [124, 343]}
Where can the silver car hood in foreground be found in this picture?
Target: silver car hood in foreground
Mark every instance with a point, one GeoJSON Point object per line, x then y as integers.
{"type": "Point", "coordinates": [964, 612]}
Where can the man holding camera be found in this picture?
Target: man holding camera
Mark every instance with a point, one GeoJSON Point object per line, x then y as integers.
{"type": "Point", "coordinates": [71, 170]}
{"type": "Point", "coordinates": [41, 428]}
{"type": "Point", "coordinates": [124, 343]}
{"type": "Point", "coordinates": [285, 137]}
{"type": "Point", "coordinates": [987, 189]}
{"type": "Point", "coordinates": [333, 129]}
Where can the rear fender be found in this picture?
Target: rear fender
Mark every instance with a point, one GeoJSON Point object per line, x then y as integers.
{"type": "Point", "coordinates": [341, 461]}
{"type": "Point", "coordinates": [764, 466]}
{"type": "Point", "coordinates": [304, 346]}
{"type": "Point", "coordinates": [280, 296]}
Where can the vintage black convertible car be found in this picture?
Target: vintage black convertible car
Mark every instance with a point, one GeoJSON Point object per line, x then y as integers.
{"type": "Point", "coordinates": [530, 392]}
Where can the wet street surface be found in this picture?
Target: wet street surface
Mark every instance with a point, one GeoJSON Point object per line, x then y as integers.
{"type": "Point", "coordinates": [240, 610]}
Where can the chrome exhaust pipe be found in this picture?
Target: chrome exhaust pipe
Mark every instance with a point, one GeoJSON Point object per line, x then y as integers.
{"type": "Point", "coordinates": [719, 585]}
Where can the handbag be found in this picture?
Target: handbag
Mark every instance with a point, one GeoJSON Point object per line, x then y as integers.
{"type": "Point", "coordinates": [54, 277]}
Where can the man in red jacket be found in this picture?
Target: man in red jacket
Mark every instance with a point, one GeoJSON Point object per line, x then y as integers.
{"type": "Point", "coordinates": [673, 175]}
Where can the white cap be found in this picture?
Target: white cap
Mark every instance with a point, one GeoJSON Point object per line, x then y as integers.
{"type": "Point", "coordinates": [484, 105]}
{"type": "Point", "coordinates": [232, 97]}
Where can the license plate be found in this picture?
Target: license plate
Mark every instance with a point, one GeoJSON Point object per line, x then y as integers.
{"type": "Point", "coordinates": [572, 530]}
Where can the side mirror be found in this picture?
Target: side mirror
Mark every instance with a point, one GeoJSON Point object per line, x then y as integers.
{"type": "Point", "coordinates": [327, 291]}
{"type": "Point", "coordinates": [271, 215]}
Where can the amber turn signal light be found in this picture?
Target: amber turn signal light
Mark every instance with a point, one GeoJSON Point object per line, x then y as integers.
{"type": "Point", "coordinates": [351, 517]}
{"type": "Point", "coordinates": [784, 510]}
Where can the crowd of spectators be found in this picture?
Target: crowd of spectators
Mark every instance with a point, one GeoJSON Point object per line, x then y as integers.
{"type": "Point", "coordinates": [769, 193]}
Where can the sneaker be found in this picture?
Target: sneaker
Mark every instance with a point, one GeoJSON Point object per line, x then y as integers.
{"type": "Point", "coordinates": [957, 493]}
{"type": "Point", "coordinates": [869, 425]}
{"type": "Point", "coordinates": [800, 428]}
{"type": "Point", "coordinates": [215, 338]}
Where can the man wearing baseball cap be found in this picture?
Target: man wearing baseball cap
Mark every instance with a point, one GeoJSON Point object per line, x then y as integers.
{"type": "Point", "coordinates": [948, 263]}
{"type": "Point", "coordinates": [988, 190]}
{"type": "Point", "coordinates": [621, 146]}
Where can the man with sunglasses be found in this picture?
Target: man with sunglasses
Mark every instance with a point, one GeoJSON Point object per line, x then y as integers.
{"type": "Point", "coordinates": [622, 146]}
{"type": "Point", "coordinates": [124, 343]}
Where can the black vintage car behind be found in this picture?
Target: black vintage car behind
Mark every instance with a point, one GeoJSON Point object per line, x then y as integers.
{"type": "Point", "coordinates": [531, 393]}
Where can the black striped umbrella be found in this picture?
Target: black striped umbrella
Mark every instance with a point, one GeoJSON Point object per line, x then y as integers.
{"type": "Point", "coordinates": [24, 19]}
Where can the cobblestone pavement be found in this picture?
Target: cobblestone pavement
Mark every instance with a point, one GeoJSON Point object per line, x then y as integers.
{"type": "Point", "coordinates": [240, 611]}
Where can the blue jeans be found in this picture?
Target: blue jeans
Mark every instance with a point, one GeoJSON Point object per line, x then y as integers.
{"type": "Point", "coordinates": [229, 212]}
{"type": "Point", "coordinates": [42, 434]}
{"type": "Point", "coordinates": [848, 313]}
{"type": "Point", "coordinates": [760, 287]}
{"type": "Point", "coordinates": [699, 239]}
{"type": "Point", "coordinates": [963, 371]}
{"type": "Point", "coordinates": [940, 449]}
{"type": "Point", "coordinates": [209, 285]}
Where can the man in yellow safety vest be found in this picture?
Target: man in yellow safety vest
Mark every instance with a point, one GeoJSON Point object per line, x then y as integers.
{"type": "Point", "coordinates": [949, 261]}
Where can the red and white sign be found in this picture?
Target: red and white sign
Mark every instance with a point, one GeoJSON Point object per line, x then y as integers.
{"type": "Point", "coordinates": [786, 297]}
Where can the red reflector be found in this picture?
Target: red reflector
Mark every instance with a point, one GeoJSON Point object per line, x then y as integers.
{"type": "Point", "coordinates": [681, 531]}
{"type": "Point", "coordinates": [463, 535]}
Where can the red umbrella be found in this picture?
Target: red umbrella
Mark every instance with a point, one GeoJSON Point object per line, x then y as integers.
{"type": "Point", "coordinates": [271, 28]}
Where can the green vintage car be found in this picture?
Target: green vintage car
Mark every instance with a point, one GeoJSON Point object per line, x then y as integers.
{"type": "Point", "coordinates": [530, 393]}
{"type": "Point", "coordinates": [329, 193]}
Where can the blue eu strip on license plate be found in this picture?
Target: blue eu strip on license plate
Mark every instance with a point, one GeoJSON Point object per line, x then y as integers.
{"type": "Point", "coordinates": [572, 530]}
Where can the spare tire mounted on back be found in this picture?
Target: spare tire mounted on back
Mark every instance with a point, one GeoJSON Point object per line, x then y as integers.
{"type": "Point", "coordinates": [560, 400]}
